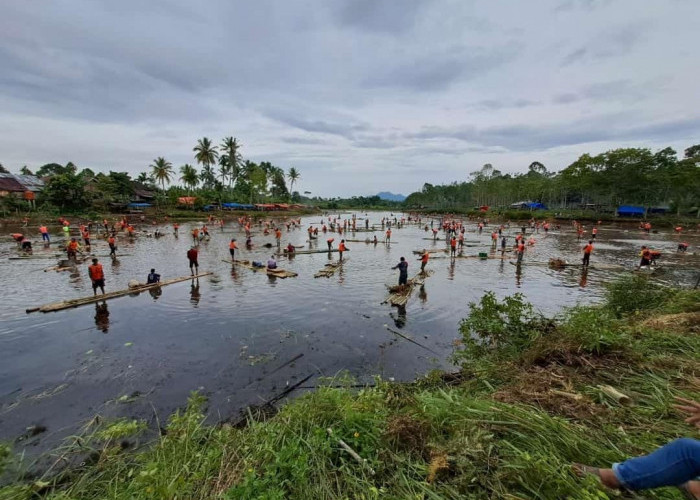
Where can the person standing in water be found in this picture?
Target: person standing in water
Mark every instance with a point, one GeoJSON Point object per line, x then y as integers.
{"type": "Point", "coordinates": [587, 250]}
{"type": "Point", "coordinates": [45, 234]}
{"type": "Point", "coordinates": [424, 260]}
{"type": "Point", "coordinates": [388, 235]}
{"type": "Point", "coordinates": [341, 249]}
{"type": "Point", "coordinates": [153, 278]}
{"type": "Point", "coordinates": [402, 266]}
{"type": "Point", "coordinates": [330, 243]}
{"type": "Point", "coordinates": [232, 249]}
{"type": "Point", "coordinates": [192, 257]}
{"type": "Point", "coordinates": [97, 276]}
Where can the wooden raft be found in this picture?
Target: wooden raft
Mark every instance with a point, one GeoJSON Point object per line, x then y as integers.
{"type": "Point", "coordinates": [67, 304]}
{"type": "Point", "coordinates": [304, 252]}
{"type": "Point", "coordinates": [400, 294]}
{"type": "Point", "coordinates": [280, 273]}
{"type": "Point", "coordinates": [329, 269]}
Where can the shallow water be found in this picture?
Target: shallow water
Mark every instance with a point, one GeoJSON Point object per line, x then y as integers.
{"type": "Point", "coordinates": [231, 334]}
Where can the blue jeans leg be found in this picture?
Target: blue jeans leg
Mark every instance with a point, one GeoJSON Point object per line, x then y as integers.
{"type": "Point", "coordinates": [671, 465]}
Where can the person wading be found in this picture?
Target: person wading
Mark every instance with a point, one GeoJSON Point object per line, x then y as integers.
{"type": "Point", "coordinates": [192, 256]}
{"type": "Point", "coordinates": [97, 276]}
{"type": "Point", "coordinates": [587, 250]}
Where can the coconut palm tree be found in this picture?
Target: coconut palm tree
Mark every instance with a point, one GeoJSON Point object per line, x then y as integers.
{"type": "Point", "coordinates": [293, 176]}
{"type": "Point", "coordinates": [206, 154]}
{"type": "Point", "coordinates": [162, 171]}
{"type": "Point", "coordinates": [189, 176]}
{"type": "Point", "coordinates": [230, 148]}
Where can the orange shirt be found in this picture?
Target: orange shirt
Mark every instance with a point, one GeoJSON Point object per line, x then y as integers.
{"type": "Point", "coordinates": [72, 245]}
{"type": "Point", "coordinates": [86, 235]}
{"type": "Point", "coordinates": [110, 240]}
{"type": "Point", "coordinates": [453, 242]}
{"type": "Point", "coordinates": [96, 272]}
{"type": "Point", "coordinates": [341, 247]}
{"type": "Point", "coordinates": [278, 234]}
{"type": "Point", "coordinates": [232, 245]}
{"type": "Point", "coordinates": [43, 230]}
{"type": "Point", "coordinates": [195, 233]}
{"type": "Point", "coordinates": [588, 249]}
{"type": "Point", "coordinates": [425, 257]}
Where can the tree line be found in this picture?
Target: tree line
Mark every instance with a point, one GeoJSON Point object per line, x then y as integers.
{"type": "Point", "coordinates": [224, 177]}
{"type": "Point", "coordinates": [633, 176]}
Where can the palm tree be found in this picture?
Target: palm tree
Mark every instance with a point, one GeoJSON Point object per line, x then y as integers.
{"type": "Point", "coordinates": [230, 146]}
{"type": "Point", "coordinates": [162, 171]}
{"type": "Point", "coordinates": [206, 154]}
{"type": "Point", "coordinates": [293, 176]}
{"type": "Point", "coordinates": [189, 176]}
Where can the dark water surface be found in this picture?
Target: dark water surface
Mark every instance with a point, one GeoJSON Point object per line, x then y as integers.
{"type": "Point", "coordinates": [228, 334]}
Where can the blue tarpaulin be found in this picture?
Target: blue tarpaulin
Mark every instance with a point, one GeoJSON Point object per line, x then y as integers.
{"type": "Point", "coordinates": [630, 211]}
{"type": "Point", "coordinates": [139, 205]}
{"type": "Point", "coordinates": [238, 206]}
{"type": "Point", "coordinates": [536, 206]}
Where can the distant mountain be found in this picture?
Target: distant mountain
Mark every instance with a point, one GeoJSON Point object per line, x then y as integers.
{"type": "Point", "coordinates": [385, 195]}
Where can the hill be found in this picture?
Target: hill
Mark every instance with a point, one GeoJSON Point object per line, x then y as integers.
{"type": "Point", "coordinates": [385, 195]}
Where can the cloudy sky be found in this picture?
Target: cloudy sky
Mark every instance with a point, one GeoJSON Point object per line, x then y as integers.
{"type": "Point", "coordinates": [359, 95]}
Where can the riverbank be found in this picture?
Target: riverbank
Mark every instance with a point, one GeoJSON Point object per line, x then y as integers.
{"type": "Point", "coordinates": [668, 220]}
{"type": "Point", "coordinates": [151, 216]}
{"type": "Point", "coordinates": [531, 398]}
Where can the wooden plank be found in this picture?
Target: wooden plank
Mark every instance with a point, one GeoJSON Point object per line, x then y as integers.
{"type": "Point", "coordinates": [67, 304]}
{"type": "Point", "coordinates": [280, 273]}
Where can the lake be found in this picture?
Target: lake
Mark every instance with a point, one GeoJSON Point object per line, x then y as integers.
{"type": "Point", "coordinates": [231, 335]}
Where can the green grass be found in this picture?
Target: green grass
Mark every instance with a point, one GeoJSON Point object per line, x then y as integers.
{"type": "Point", "coordinates": [510, 428]}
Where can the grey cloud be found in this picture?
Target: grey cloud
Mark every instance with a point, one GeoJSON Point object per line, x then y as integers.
{"type": "Point", "coordinates": [340, 128]}
{"type": "Point", "coordinates": [525, 138]}
{"type": "Point", "coordinates": [378, 16]}
{"type": "Point", "coordinates": [439, 70]}
{"type": "Point", "coordinates": [609, 43]}
{"type": "Point", "coordinates": [302, 140]}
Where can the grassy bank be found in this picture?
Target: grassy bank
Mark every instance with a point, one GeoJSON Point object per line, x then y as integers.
{"type": "Point", "coordinates": [530, 400]}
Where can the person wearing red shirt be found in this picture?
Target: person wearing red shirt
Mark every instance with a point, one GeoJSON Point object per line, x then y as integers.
{"type": "Point", "coordinates": [192, 255]}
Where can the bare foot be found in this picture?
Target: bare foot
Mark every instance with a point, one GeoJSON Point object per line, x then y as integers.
{"type": "Point", "coordinates": [607, 476]}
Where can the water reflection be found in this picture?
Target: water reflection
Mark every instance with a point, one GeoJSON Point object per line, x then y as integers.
{"type": "Point", "coordinates": [400, 316]}
{"type": "Point", "coordinates": [155, 292]}
{"type": "Point", "coordinates": [194, 292]}
{"type": "Point", "coordinates": [518, 275]}
{"type": "Point", "coordinates": [102, 317]}
{"type": "Point", "coordinates": [422, 294]}
{"type": "Point", "coordinates": [584, 278]}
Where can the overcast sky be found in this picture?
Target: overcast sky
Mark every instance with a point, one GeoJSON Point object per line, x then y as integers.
{"type": "Point", "coordinates": [360, 96]}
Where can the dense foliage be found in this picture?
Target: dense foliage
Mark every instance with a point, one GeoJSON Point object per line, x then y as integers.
{"type": "Point", "coordinates": [621, 176]}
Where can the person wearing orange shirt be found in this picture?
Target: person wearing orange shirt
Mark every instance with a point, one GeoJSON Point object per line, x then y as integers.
{"type": "Point", "coordinates": [112, 245]}
{"type": "Point", "coordinates": [232, 249]}
{"type": "Point", "coordinates": [278, 236]}
{"type": "Point", "coordinates": [72, 248]}
{"type": "Point", "coordinates": [176, 226]}
{"type": "Point", "coordinates": [86, 238]}
{"type": "Point", "coordinates": [341, 249]}
{"type": "Point", "coordinates": [521, 251]}
{"type": "Point", "coordinates": [45, 234]}
{"type": "Point", "coordinates": [453, 246]}
{"type": "Point", "coordinates": [646, 257]}
{"type": "Point", "coordinates": [97, 276]}
{"type": "Point", "coordinates": [424, 260]}
{"type": "Point", "coordinates": [587, 250]}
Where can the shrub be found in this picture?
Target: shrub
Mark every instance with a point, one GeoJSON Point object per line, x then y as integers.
{"type": "Point", "coordinates": [498, 329]}
{"type": "Point", "coordinates": [635, 293]}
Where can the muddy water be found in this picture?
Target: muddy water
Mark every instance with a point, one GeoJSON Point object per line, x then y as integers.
{"type": "Point", "coordinates": [232, 334]}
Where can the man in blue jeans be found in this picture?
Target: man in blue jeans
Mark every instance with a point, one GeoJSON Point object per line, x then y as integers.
{"type": "Point", "coordinates": [674, 464]}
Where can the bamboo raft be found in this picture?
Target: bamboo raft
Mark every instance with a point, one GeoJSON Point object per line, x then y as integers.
{"type": "Point", "coordinates": [279, 273]}
{"type": "Point", "coordinates": [305, 252]}
{"type": "Point", "coordinates": [67, 304]}
{"type": "Point", "coordinates": [399, 295]}
{"type": "Point", "coordinates": [329, 269]}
